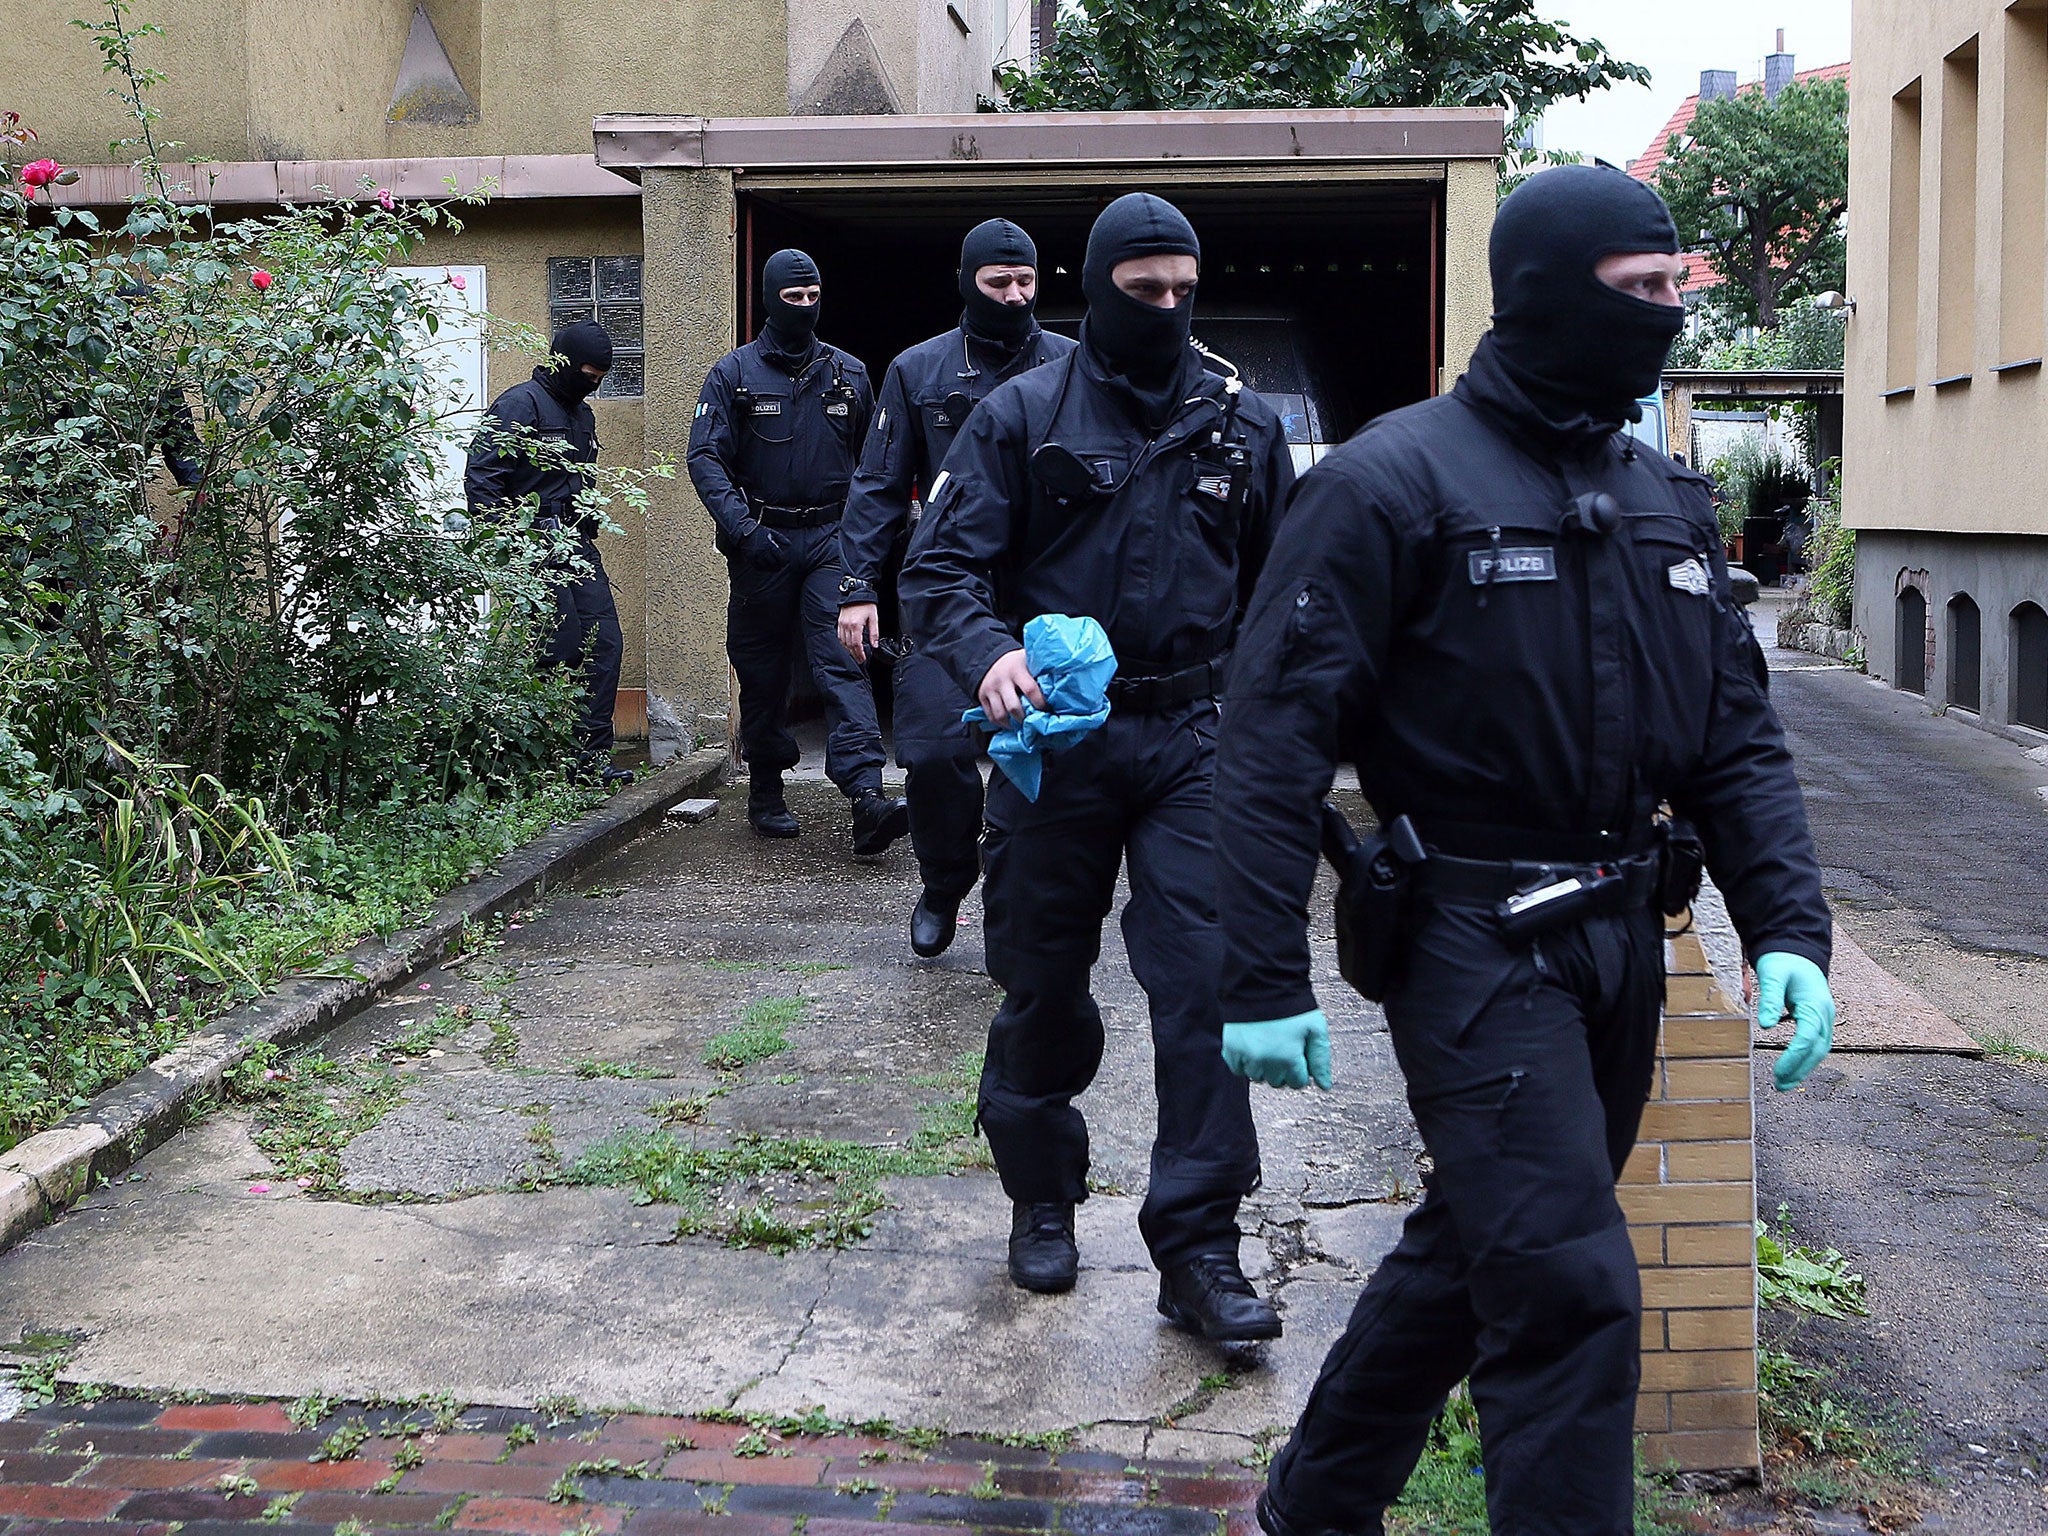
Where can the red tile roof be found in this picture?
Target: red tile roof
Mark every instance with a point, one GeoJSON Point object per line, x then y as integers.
{"type": "Point", "coordinates": [1644, 167]}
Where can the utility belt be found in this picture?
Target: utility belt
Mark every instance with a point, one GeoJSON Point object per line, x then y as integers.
{"type": "Point", "coordinates": [789, 519]}
{"type": "Point", "coordinates": [1157, 695]}
{"type": "Point", "coordinates": [1383, 880]}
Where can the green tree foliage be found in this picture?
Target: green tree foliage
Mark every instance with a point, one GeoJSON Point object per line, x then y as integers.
{"type": "Point", "coordinates": [1150, 55]}
{"type": "Point", "coordinates": [1761, 188]}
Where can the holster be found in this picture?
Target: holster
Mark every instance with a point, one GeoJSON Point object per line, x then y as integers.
{"type": "Point", "coordinates": [1681, 865]}
{"type": "Point", "coordinates": [1375, 880]}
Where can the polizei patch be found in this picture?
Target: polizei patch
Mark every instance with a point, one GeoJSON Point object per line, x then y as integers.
{"type": "Point", "coordinates": [767, 407]}
{"type": "Point", "coordinates": [1691, 576]}
{"type": "Point", "coordinates": [1491, 566]}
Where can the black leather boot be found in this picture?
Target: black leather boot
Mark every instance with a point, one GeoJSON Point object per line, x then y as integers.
{"type": "Point", "coordinates": [767, 811]}
{"type": "Point", "coordinates": [878, 821]}
{"type": "Point", "coordinates": [1208, 1295]}
{"type": "Point", "coordinates": [1274, 1523]}
{"type": "Point", "coordinates": [1043, 1255]}
{"type": "Point", "coordinates": [933, 922]}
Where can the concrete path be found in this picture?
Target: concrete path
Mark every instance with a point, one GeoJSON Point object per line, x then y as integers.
{"type": "Point", "coordinates": [483, 1234]}
{"type": "Point", "coordinates": [1928, 1171]}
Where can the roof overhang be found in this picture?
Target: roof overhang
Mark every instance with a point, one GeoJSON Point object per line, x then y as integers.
{"type": "Point", "coordinates": [1755, 384]}
{"type": "Point", "coordinates": [512, 177]}
{"type": "Point", "coordinates": [631, 142]}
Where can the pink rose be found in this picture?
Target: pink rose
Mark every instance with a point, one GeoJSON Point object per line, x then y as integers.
{"type": "Point", "coordinates": [260, 279]}
{"type": "Point", "coordinates": [457, 281]}
{"type": "Point", "coordinates": [40, 173]}
{"type": "Point", "coordinates": [385, 200]}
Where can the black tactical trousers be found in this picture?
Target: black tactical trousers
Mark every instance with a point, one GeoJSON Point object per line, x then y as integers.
{"type": "Point", "coordinates": [773, 614]}
{"type": "Point", "coordinates": [1527, 1072]}
{"type": "Point", "coordinates": [945, 795]}
{"type": "Point", "coordinates": [1137, 790]}
{"type": "Point", "coordinates": [585, 637]}
{"type": "Point", "coordinates": [942, 773]}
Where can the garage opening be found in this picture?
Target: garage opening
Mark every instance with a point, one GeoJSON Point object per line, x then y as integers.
{"type": "Point", "coordinates": [1326, 296]}
{"type": "Point", "coordinates": [1325, 291]}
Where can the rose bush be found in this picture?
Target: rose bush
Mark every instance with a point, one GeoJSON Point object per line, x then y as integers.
{"type": "Point", "coordinates": [233, 626]}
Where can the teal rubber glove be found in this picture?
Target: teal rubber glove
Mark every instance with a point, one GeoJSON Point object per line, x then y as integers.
{"type": "Point", "coordinates": [1282, 1053]}
{"type": "Point", "coordinates": [1794, 982]}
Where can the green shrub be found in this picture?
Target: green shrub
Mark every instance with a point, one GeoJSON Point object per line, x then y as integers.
{"type": "Point", "coordinates": [261, 704]}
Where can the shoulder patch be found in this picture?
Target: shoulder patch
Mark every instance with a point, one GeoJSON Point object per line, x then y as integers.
{"type": "Point", "coordinates": [1691, 576]}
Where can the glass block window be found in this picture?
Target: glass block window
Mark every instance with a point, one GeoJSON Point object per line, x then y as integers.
{"type": "Point", "coordinates": [607, 289]}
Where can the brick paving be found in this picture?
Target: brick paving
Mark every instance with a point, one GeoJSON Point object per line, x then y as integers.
{"type": "Point", "coordinates": [132, 1467]}
{"type": "Point", "coordinates": [125, 1467]}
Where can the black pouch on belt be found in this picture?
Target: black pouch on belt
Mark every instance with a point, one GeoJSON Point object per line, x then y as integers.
{"type": "Point", "coordinates": [1375, 876]}
{"type": "Point", "coordinates": [1681, 864]}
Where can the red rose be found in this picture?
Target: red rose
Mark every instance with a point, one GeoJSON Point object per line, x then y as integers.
{"type": "Point", "coordinates": [40, 173]}
{"type": "Point", "coordinates": [259, 279]}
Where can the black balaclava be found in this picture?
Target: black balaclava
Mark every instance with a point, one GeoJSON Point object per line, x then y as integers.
{"type": "Point", "coordinates": [1147, 345]}
{"type": "Point", "coordinates": [583, 342]}
{"type": "Point", "coordinates": [996, 243]}
{"type": "Point", "coordinates": [789, 328]}
{"type": "Point", "coordinates": [1577, 347]}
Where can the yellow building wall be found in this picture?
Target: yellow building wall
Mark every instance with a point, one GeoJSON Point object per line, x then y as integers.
{"type": "Point", "coordinates": [271, 80]}
{"type": "Point", "coordinates": [1955, 294]}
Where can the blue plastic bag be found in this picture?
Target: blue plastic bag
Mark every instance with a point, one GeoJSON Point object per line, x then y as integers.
{"type": "Point", "coordinates": [1073, 662]}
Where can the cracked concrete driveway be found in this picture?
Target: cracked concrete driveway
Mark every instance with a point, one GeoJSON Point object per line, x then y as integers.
{"type": "Point", "coordinates": [752, 1008]}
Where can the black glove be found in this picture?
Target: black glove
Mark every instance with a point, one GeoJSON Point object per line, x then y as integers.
{"type": "Point", "coordinates": [762, 547]}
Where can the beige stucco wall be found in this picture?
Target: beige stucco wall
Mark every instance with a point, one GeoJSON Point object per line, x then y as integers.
{"type": "Point", "coordinates": [1470, 196]}
{"type": "Point", "coordinates": [1968, 457]}
{"type": "Point", "coordinates": [930, 65]}
{"type": "Point", "coordinates": [512, 242]}
{"type": "Point", "coordinates": [267, 79]}
{"type": "Point", "coordinates": [691, 323]}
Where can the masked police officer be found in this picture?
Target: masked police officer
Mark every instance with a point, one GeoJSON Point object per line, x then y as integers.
{"type": "Point", "coordinates": [778, 427]}
{"type": "Point", "coordinates": [538, 439]}
{"type": "Point", "coordinates": [1123, 483]}
{"type": "Point", "coordinates": [925, 400]}
{"type": "Point", "coordinates": [1520, 626]}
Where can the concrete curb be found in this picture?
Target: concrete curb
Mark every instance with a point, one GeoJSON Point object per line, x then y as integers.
{"type": "Point", "coordinates": [46, 1172]}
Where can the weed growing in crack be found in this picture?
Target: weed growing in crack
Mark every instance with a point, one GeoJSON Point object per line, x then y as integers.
{"type": "Point", "coordinates": [279, 1507]}
{"type": "Point", "coordinates": [424, 1035]}
{"type": "Point", "coordinates": [560, 1408]}
{"type": "Point", "coordinates": [1789, 1277]}
{"type": "Point", "coordinates": [590, 1068]}
{"type": "Point", "coordinates": [407, 1456]}
{"type": "Point", "coordinates": [753, 1443]}
{"type": "Point", "coordinates": [566, 1490]}
{"type": "Point", "coordinates": [357, 1528]}
{"type": "Point", "coordinates": [759, 1035]}
{"type": "Point", "coordinates": [343, 1443]}
{"type": "Point", "coordinates": [308, 1411]}
{"type": "Point", "coordinates": [515, 1437]}
{"type": "Point", "coordinates": [309, 1108]}
{"type": "Point", "coordinates": [854, 1487]}
{"type": "Point", "coordinates": [985, 1486]}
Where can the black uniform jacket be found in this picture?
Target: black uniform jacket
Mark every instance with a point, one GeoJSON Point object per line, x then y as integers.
{"type": "Point", "coordinates": [502, 471]}
{"type": "Point", "coordinates": [926, 396]}
{"type": "Point", "coordinates": [1430, 612]}
{"type": "Point", "coordinates": [773, 432]}
{"type": "Point", "coordinates": [1156, 556]}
